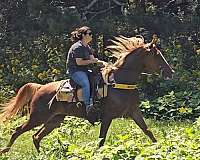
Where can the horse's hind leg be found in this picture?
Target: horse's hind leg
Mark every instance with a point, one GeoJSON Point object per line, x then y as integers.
{"type": "Point", "coordinates": [19, 130]}
{"type": "Point", "coordinates": [138, 118]}
{"type": "Point", "coordinates": [52, 123]}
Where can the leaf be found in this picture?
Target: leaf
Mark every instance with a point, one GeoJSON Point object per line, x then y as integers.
{"type": "Point", "coordinates": [123, 137]}
{"type": "Point", "coordinates": [161, 108]}
{"type": "Point", "coordinates": [145, 104]}
{"type": "Point", "coordinates": [198, 51]}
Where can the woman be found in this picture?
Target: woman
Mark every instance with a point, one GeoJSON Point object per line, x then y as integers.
{"type": "Point", "coordinates": [78, 59]}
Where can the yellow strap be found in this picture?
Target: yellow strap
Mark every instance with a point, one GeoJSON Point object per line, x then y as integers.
{"type": "Point", "coordinates": [124, 86]}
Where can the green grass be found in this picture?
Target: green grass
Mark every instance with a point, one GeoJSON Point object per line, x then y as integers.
{"type": "Point", "coordinates": [76, 139]}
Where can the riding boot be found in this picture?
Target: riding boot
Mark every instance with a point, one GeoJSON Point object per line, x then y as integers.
{"type": "Point", "coordinates": [91, 116]}
{"type": "Point", "coordinates": [90, 109]}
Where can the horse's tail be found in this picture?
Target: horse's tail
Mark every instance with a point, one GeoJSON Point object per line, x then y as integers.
{"type": "Point", "coordinates": [22, 98]}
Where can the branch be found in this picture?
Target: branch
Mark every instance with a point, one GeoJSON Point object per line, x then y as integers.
{"type": "Point", "coordinates": [90, 5]}
{"type": "Point", "coordinates": [100, 12]}
{"type": "Point", "coordinates": [118, 3]}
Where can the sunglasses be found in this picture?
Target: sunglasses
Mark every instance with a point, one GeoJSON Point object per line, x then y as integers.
{"type": "Point", "coordinates": [90, 33]}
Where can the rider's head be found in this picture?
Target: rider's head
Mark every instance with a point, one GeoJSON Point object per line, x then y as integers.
{"type": "Point", "coordinates": [82, 33]}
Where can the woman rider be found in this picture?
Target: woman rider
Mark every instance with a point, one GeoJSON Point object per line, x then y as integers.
{"type": "Point", "coordinates": [78, 59]}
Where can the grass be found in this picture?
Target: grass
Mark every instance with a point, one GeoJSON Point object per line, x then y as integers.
{"type": "Point", "coordinates": [76, 139]}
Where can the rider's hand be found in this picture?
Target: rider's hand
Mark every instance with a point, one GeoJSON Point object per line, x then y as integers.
{"type": "Point", "coordinates": [94, 60]}
{"type": "Point", "coordinates": [102, 63]}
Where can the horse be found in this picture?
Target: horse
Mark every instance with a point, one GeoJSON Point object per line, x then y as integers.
{"type": "Point", "coordinates": [133, 58]}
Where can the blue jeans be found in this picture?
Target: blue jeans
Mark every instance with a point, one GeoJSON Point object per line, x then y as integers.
{"type": "Point", "coordinates": [81, 78]}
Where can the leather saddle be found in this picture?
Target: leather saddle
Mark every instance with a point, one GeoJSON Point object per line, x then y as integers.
{"type": "Point", "coordinates": [95, 80]}
{"type": "Point", "coordinates": [70, 91]}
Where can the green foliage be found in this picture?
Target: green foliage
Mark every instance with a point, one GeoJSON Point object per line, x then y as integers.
{"type": "Point", "coordinates": [6, 93]}
{"type": "Point", "coordinates": [180, 105]}
{"type": "Point", "coordinates": [76, 140]}
{"type": "Point", "coordinates": [42, 61]}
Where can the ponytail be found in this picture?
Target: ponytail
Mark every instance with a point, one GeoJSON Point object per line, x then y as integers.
{"type": "Point", "coordinates": [76, 35]}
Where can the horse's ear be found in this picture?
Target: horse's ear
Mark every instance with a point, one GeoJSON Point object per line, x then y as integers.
{"type": "Point", "coordinates": [154, 42]}
{"type": "Point", "coordinates": [154, 39]}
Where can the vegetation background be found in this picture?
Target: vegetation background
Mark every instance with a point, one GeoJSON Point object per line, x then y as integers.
{"type": "Point", "coordinates": [34, 41]}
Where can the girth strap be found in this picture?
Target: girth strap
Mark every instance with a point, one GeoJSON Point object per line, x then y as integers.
{"type": "Point", "coordinates": [123, 86]}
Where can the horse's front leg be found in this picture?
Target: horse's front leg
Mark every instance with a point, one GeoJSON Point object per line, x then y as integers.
{"type": "Point", "coordinates": [105, 123]}
{"type": "Point", "coordinates": [138, 118]}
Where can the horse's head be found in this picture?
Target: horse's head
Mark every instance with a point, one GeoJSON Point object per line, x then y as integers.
{"type": "Point", "coordinates": [133, 51]}
{"type": "Point", "coordinates": [155, 62]}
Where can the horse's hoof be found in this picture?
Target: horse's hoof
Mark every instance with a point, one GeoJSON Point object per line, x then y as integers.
{"type": "Point", "coordinates": [4, 150]}
{"type": "Point", "coordinates": [154, 141]}
{"type": "Point", "coordinates": [92, 117]}
{"type": "Point", "coordinates": [36, 144]}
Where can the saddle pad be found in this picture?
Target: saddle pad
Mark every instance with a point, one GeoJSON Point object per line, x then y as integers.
{"type": "Point", "coordinates": [65, 92]}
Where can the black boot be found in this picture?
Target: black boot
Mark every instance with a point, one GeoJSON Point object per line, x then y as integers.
{"type": "Point", "coordinates": [90, 109]}
{"type": "Point", "coordinates": [91, 114]}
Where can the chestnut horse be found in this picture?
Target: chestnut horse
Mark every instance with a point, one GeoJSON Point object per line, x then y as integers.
{"type": "Point", "coordinates": [133, 58]}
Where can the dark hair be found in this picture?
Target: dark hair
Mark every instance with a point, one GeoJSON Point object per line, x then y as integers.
{"type": "Point", "coordinates": [76, 35]}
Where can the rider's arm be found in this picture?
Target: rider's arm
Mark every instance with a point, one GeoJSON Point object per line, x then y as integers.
{"type": "Point", "coordinates": [81, 61]}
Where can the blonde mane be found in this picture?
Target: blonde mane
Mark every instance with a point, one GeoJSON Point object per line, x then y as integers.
{"type": "Point", "coordinates": [121, 47]}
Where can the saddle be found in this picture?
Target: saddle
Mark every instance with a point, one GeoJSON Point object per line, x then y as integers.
{"type": "Point", "coordinates": [70, 91]}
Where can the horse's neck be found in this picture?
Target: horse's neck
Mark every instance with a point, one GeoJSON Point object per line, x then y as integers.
{"type": "Point", "coordinates": [126, 76]}
{"type": "Point", "coordinates": [130, 71]}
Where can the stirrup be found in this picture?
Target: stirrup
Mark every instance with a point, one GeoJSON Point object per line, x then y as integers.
{"type": "Point", "coordinates": [78, 104]}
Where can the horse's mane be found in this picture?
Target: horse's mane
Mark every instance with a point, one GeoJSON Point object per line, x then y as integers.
{"type": "Point", "coordinates": [121, 47]}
